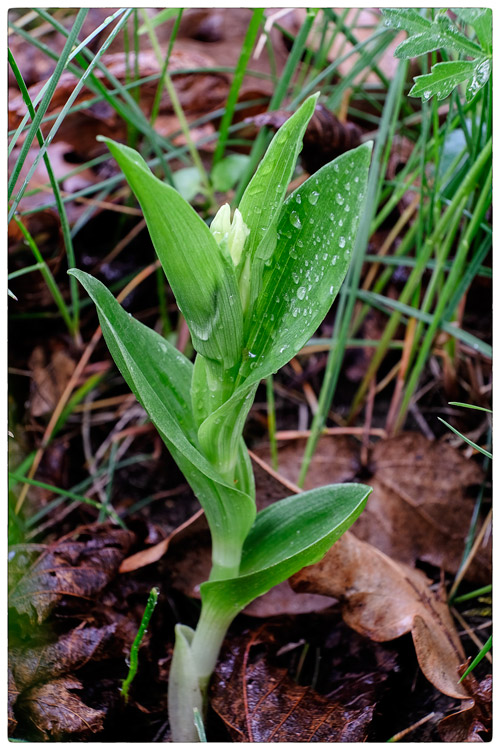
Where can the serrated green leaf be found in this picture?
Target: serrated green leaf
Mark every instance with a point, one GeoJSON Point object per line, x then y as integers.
{"type": "Point", "coordinates": [160, 377]}
{"type": "Point", "coordinates": [481, 20]}
{"type": "Point", "coordinates": [287, 536]}
{"type": "Point", "coordinates": [443, 79]}
{"type": "Point", "coordinates": [202, 278]}
{"type": "Point", "coordinates": [405, 19]}
{"type": "Point", "coordinates": [426, 36]}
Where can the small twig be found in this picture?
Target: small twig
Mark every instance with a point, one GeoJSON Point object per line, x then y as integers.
{"type": "Point", "coordinates": [471, 555]}
{"type": "Point", "coordinates": [470, 632]}
{"type": "Point", "coordinates": [404, 732]}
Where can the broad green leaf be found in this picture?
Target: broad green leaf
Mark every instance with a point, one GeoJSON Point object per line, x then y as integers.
{"type": "Point", "coordinates": [202, 278]}
{"type": "Point", "coordinates": [316, 233]}
{"type": "Point", "coordinates": [285, 537]}
{"type": "Point", "coordinates": [160, 377]}
{"type": "Point", "coordinates": [481, 20]}
{"type": "Point", "coordinates": [261, 202]}
{"type": "Point", "coordinates": [443, 79]}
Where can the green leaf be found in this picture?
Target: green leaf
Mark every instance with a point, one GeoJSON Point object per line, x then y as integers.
{"type": "Point", "coordinates": [426, 36]}
{"type": "Point", "coordinates": [316, 234]}
{"type": "Point", "coordinates": [261, 202]}
{"type": "Point", "coordinates": [160, 377]}
{"type": "Point", "coordinates": [443, 79]}
{"type": "Point", "coordinates": [481, 20]}
{"type": "Point", "coordinates": [285, 537]}
{"type": "Point", "coordinates": [188, 182]}
{"type": "Point", "coordinates": [202, 278]}
{"type": "Point", "coordinates": [228, 171]}
{"type": "Point", "coordinates": [405, 19]}
{"type": "Point", "coordinates": [480, 77]}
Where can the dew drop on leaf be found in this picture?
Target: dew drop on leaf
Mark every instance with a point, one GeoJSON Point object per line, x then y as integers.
{"type": "Point", "coordinates": [313, 197]}
{"type": "Point", "coordinates": [295, 220]}
{"type": "Point", "coordinates": [340, 199]}
{"type": "Point", "coordinates": [341, 241]}
{"type": "Point", "coordinates": [301, 292]}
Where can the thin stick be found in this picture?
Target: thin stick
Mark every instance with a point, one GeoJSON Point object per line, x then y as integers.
{"type": "Point", "coordinates": [404, 732]}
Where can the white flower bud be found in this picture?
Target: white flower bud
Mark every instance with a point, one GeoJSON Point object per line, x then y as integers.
{"type": "Point", "coordinates": [233, 233]}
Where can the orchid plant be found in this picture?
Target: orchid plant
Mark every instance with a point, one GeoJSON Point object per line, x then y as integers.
{"type": "Point", "coordinates": [253, 287]}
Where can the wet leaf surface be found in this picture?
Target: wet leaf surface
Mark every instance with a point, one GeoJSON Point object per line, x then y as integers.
{"type": "Point", "coordinates": [262, 703]}
{"type": "Point", "coordinates": [419, 508]}
{"type": "Point", "coordinates": [56, 712]}
{"type": "Point", "coordinates": [78, 565]}
{"type": "Point", "coordinates": [383, 599]}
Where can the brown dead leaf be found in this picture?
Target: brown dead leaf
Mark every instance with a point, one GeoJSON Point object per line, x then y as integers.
{"type": "Point", "coordinates": [69, 653]}
{"type": "Point", "coordinates": [261, 703]}
{"type": "Point", "coordinates": [59, 714]}
{"type": "Point", "coordinates": [80, 564]}
{"type": "Point", "coordinates": [419, 508]}
{"type": "Point", "coordinates": [51, 369]}
{"type": "Point", "coordinates": [325, 137]}
{"type": "Point", "coordinates": [383, 599]}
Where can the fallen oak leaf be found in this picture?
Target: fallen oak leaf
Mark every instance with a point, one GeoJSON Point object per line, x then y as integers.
{"type": "Point", "coordinates": [261, 703]}
{"type": "Point", "coordinates": [57, 713]}
{"type": "Point", "coordinates": [383, 599]}
{"type": "Point", "coordinates": [80, 564]}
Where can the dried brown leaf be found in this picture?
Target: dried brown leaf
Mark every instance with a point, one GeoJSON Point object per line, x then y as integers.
{"type": "Point", "coordinates": [419, 508]}
{"type": "Point", "coordinates": [80, 564]}
{"type": "Point", "coordinates": [383, 599]}
{"type": "Point", "coordinates": [261, 703]}
{"type": "Point", "coordinates": [69, 653]}
{"type": "Point", "coordinates": [59, 714]}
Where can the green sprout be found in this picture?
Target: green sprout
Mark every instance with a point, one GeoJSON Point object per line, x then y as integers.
{"type": "Point", "coordinates": [253, 289]}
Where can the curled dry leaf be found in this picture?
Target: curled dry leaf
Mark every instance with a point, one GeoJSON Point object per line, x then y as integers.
{"type": "Point", "coordinates": [472, 723]}
{"type": "Point", "coordinates": [419, 508]}
{"type": "Point", "coordinates": [59, 714]}
{"type": "Point", "coordinates": [261, 703]}
{"type": "Point", "coordinates": [80, 564]}
{"type": "Point", "coordinates": [383, 599]}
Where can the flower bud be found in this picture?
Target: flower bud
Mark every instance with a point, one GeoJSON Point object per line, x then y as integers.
{"type": "Point", "coordinates": [233, 233]}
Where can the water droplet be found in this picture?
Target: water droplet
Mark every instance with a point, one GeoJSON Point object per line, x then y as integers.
{"type": "Point", "coordinates": [295, 220]}
{"type": "Point", "coordinates": [283, 348]}
{"type": "Point", "coordinates": [300, 243]}
{"type": "Point", "coordinates": [341, 241]}
{"type": "Point", "coordinates": [332, 290]}
{"type": "Point", "coordinates": [298, 198]}
{"type": "Point", "coordinates": [313, 197]}
{"type": "Point", "coordinates": [293, 253]}
{"type": "Point", "coordinates": [340, 199]}
{"type": "Point", "coordinates": [335, 259]}
{"type": "Point", "coordinates": [325, 256]}
{"type": "Point", "coordinates": [295, 277]}
{"type": "Point", "coordinates": [301, 292]}
{"type": "Point", "coordinates": [251, 354]}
